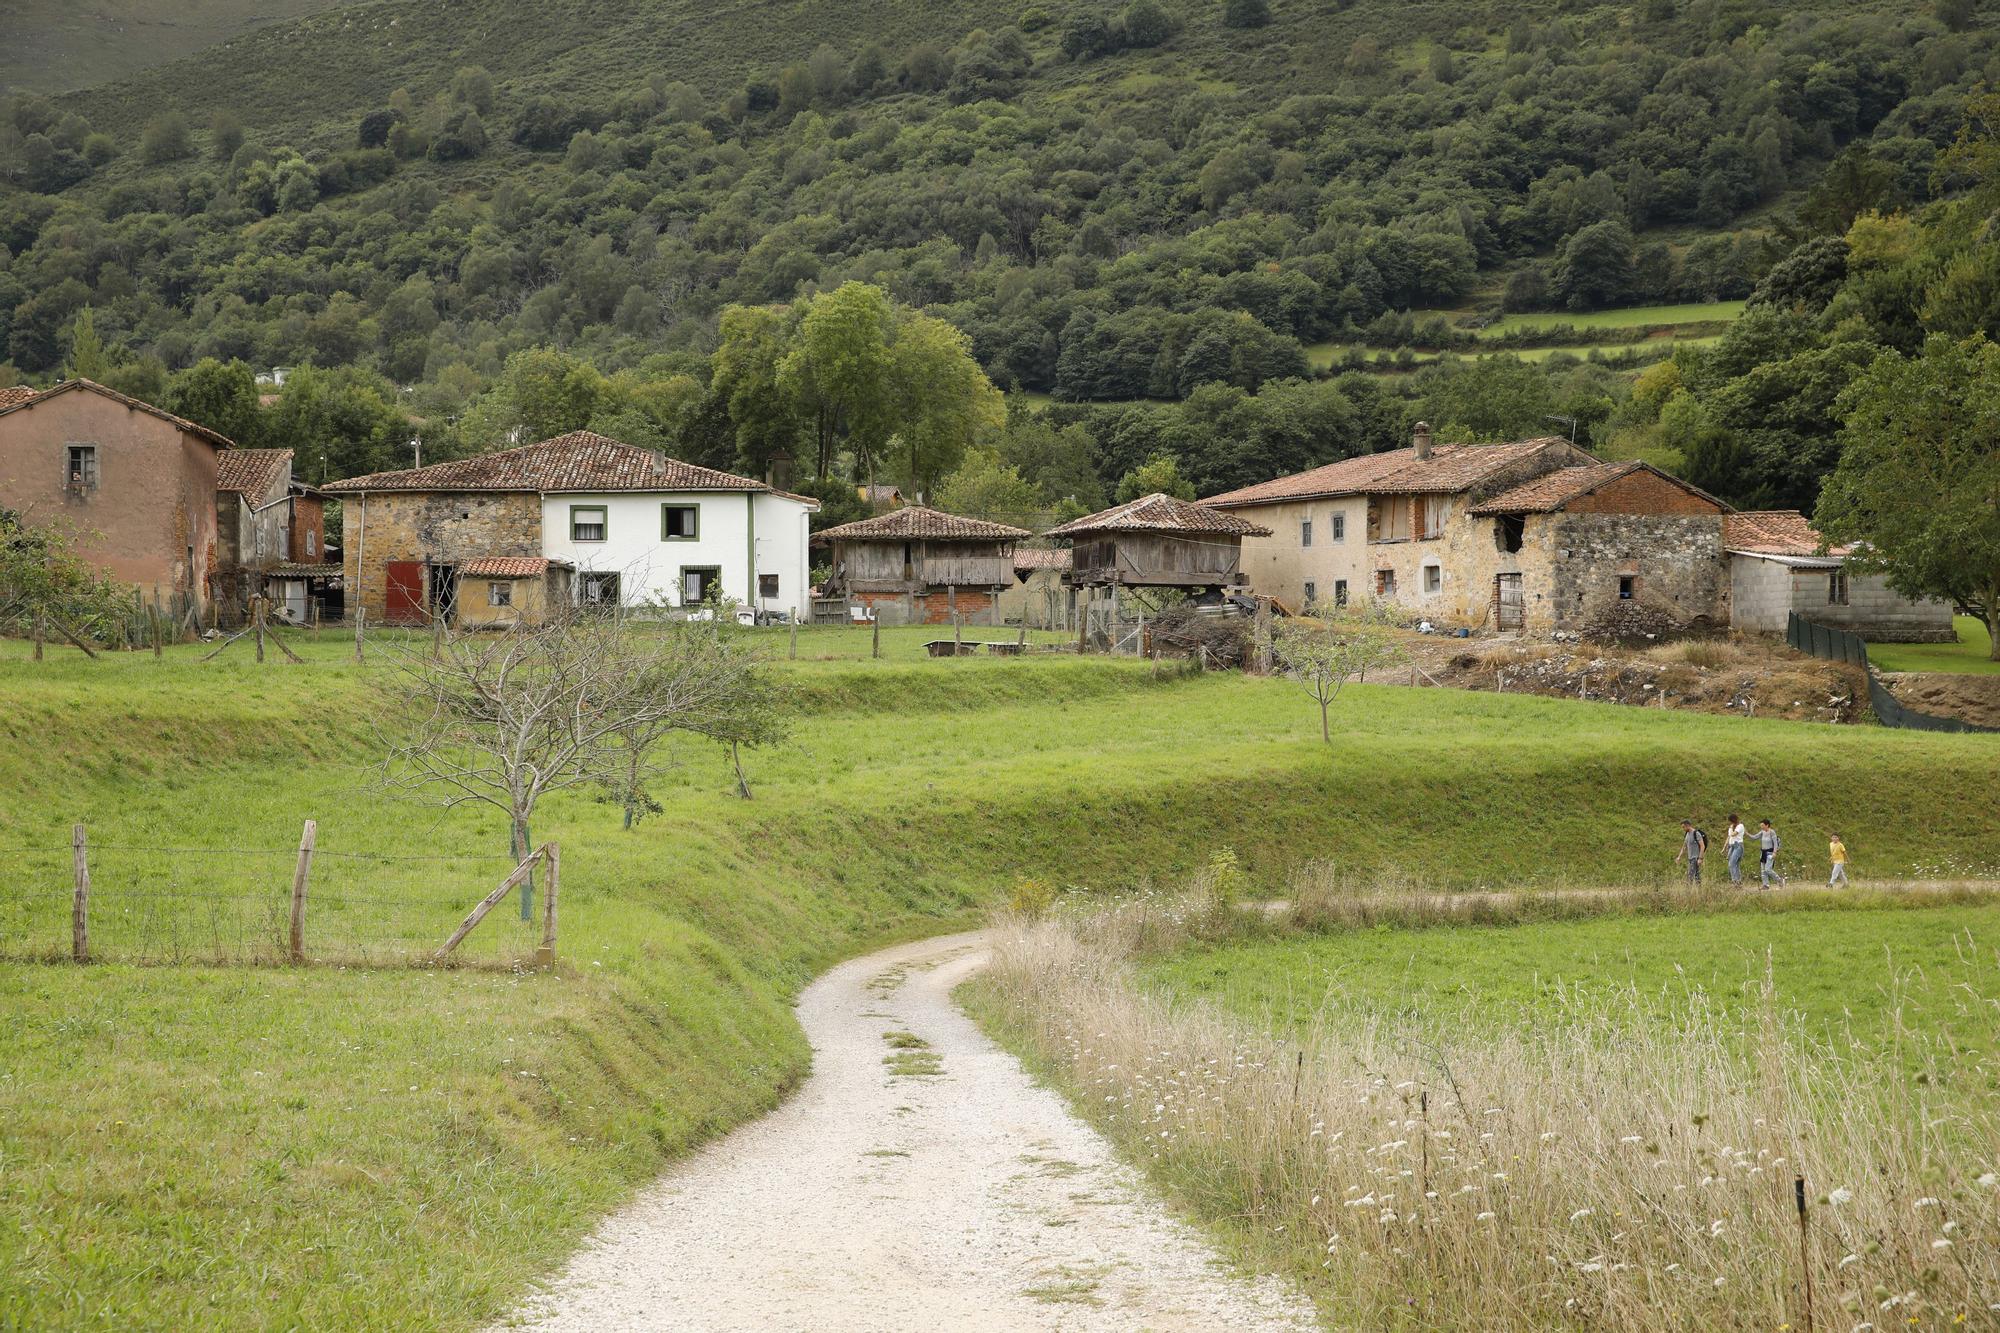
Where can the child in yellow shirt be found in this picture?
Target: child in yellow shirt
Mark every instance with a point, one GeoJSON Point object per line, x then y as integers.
{"type": "Point", "coordinates": [1837, 850]}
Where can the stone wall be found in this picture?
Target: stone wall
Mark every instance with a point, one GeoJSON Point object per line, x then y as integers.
{"type": "Point", "coordinates": [442, 527]}
{"type": "Point", "coordinates": [1680, 574]}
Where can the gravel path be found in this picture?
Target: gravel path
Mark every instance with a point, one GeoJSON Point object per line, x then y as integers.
{"type": "Point", "coordinates": [888, 1196]}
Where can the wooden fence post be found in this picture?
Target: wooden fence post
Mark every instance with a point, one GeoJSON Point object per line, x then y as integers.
{"type": "Point", "coordinates": [875, 638]}
{"type": "Point", "coordinates": [547, 953]}
{"type": "Point", "coordinates": [79, 912]}
{"type": "Point", "coordinates": [795, 639]}
{"type": "Point", "coordinates": [40, 634]}
{"type": "Point", "coordinates": [257, 623]}
{"type": "Point", "coordinates": [299, 877]}
{"type": "Point", "coordinates": [159, 630]}
{"type": "Point", "coordinates": [360, 619]}
{"type": "Point", "coordinates": [485, 905]}
{"type": "Point", "coordinates": [957, 636]}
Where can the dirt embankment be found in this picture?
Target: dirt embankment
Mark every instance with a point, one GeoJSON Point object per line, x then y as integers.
{"type": "Point", "coordinates": [1748, 678]}
{"type": "Point", "coordinates": [1974, 699]}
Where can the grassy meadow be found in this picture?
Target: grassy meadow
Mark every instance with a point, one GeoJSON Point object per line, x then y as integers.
{"type": "Point", "coordinates": [1972, 655]}
{"type": "Point", "coordinates": [250, 1146]}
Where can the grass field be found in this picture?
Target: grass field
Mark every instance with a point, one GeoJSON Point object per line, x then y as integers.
{"type": "Point", "coordinates": [1632, 317]}
{"type": "Point", "coordinates": [249, 1147]}
{"type": "Point", "coordinates": [1930, 970]}
{"type": "Point", "coordinates": [1970, 656]}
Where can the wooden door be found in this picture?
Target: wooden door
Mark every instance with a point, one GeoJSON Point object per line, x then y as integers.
{"type": "Point", "coordinates": [405, 600]}
{"type": "Point", "coordinates": [1507, 602]}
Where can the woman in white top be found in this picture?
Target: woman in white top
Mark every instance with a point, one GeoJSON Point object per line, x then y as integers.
{"type": "Point", "coordinates": [1732, 843]}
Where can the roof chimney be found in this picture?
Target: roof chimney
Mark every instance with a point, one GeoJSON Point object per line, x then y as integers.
{"type": "Point", "coordinates": [1421, 438]}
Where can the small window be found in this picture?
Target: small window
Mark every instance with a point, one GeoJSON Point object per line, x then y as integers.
{"type": "Point", "coordinates": [1340, 592]}
{"type": "Point", "coordinates": [1385, 583]}
{"type": "Point", "coordinates": [82, 474]}
{"type": "Point", "coordinates": [312, 542]}
{"type": "Point", "coordinates": [1836, 587]}
{"type": "Point", "coordinates": [1433, 579]}
{"type": "Point", "coordinates": [587, 523]}
{"type": "Point", "coordinates": [767, 585]}
{"type": "Point", "coordinates": [1312, 592]}
{"type": "Point", "coordinates": [1339, 533]}
{"type": "Point", "coordinates": [597, 589]}
{"type": "Point", "coordinates": [700, 584]}
{"type": "Point", "coordinates": [500, 594]}
{"type": "Point", "coordinates": [1305, 532]}
{"type": "Point", "coordinates": [1509, 531]}
{"type": "Point", "coordinates": [1628, 587]}
{"type": "Point", "coordinates": [680, 523]}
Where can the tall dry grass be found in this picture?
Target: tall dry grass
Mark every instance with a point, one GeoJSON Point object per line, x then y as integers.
{"type": "Point", "coordinates": [1609, 1172]}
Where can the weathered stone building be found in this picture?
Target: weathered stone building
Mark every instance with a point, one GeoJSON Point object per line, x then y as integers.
{"type": "Point", "coordinates": [135, 484]}
{"type": "Point", "coordinates": [1778, 564]}
{"type": "Point", "coordinates": [1611, 550]}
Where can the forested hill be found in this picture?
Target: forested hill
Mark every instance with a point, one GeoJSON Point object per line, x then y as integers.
{"type": "Point", "coordinates": [1112, 200]}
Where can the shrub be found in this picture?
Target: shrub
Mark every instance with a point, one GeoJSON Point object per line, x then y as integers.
{"type": "Point", "coordinates": [1030, 897]}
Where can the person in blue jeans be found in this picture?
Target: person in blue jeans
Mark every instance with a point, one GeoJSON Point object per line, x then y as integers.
{"type": "Point", "coordinates": [1732, 843]}
{"type": "Point", "coordinates": [1694, 843]}
{"type": "Point", "coordinates": [1767, 854]}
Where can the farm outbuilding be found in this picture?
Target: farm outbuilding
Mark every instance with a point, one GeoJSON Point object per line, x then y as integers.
{"type": "Point", "coordinates": [920, 566]}
{"type": "Point", "coordinates": [1158, 541]}
{"type": "Point", "coordinates": [1778, 564]}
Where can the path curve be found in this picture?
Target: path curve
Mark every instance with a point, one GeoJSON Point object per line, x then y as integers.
{"type": "Point", "coordinates": [968, 1198]}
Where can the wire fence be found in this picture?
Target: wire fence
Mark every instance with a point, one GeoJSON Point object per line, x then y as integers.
{"type": "Point", "coordinates": [250, 906]}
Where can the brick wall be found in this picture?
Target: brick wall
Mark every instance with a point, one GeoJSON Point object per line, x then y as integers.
{"type": "Point", "coordinates": [1642, 493]}
{"type": "Point", "coordinates": [442, 527]}
{"type": "Point", "coordinates": [975, 606]}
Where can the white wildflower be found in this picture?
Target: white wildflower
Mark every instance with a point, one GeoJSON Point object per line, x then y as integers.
{"type": "Point", "coordinates": [1840, 1196]}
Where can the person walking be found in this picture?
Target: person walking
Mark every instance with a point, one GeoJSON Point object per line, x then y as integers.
{"type": "Point", "coordinates": [1767, 854]}
{"type": "Point", "coordinates": [1693, 844]}
{"type": "Point", "coordinates": [1837, 850]}
{"type": "Point", "coordinates": [1732, 846]}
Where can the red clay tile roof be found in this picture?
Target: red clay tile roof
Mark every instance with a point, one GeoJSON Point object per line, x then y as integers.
{"type": "Point", "coordinates": [14, 397]}
{"type": "Point", "coordinates": [1450, 468]}
{"type": "Point", "coordinates": [252, 471]}
{"type": "Point", "coordinates": [1160, 513]}
{"type": "Point", "coordinates": [578, 461]}
{"type": "Point", "coordinates": [509, 567]}
{"type": "Point", "coordinates": [1774, 532]}
{"type": "Point", "coordinates": [192, 428]}
{"type": "Point", "coordinates": [918, 523]}
{"type": "Point", "coordinates": [1548, 493]}
{"type": "Point", "coordinates": [1041, 557]}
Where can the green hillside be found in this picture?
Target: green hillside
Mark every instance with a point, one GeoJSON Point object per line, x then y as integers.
{"type": "Point", "coordinates": [55, 46]}
{"type": "Point", "coordinates": [1212, 215]}
{"type": "Point", "coordinates": [248, 1147]}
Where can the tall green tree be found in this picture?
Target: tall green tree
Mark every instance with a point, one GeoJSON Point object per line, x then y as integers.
{"type": "Point", "coordinates": [1918, 482]}
{"type": "Point", "coordinates": [837, 371]}
{"type": "Point", "coordinates": [941, 402]}
{"type": "Point", "coordinates": [87, 357]}
{"type": "Point", "coordinates": [221, 395]}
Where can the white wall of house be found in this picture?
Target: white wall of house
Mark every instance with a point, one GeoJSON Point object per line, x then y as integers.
{"type": "Point", "coordinates": [1764, 588]}
{"type": "Point", "coordinates": [654, 568]}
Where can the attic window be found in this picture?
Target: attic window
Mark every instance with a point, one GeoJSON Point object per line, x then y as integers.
{"type": "Point", "coordinates": [1508, 531]}
{"type": "Point", "coordinates": [82, 473]}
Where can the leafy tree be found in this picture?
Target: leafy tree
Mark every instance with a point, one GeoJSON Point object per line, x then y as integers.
{"type": "Point", "coordinates": [1594, 269]}
{"type": "Point", "coordinates": [1158, 475]}
{"type": "Point", "coordinates": [1918, 482]}
{"type": "Point", "coordinates": [837, 371]}
{"type": "Point", "coordinates": [839, 501]}
{"type": "Point", "coordinates": [44, 582]}
{"type": "Point", "coordinates": [1245, 13]}
{"type": "Point", "coordinates": [983, 486]}
{"type": "Point", "coordinates": [87, 357]}
{"type": "Point", "coordinates": [1144, 24]}
{"type": "Point", "coordinates": [941, 402]}
{"type": "Point", "coordinates": [225, 135]}
{"type": "Point", "coordinates": [1807, 278]}
{"type": "Point", "coordinates": [1322, 655]}
{"type": "Point", "coordinates": [221, 396]}
{"type": "Point", "coordinates": [1086, 36]}
{"type": "Point", "coordinates": [165, 139]}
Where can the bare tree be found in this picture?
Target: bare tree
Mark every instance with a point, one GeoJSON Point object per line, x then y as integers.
{"type": "Point", "coordinates": [504, 717]}
{"type": "Point", "coordinates": [1321, 655]}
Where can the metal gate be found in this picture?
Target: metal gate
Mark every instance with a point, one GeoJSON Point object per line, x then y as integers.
{"type": "Point", "coordinates": [1507, 602]}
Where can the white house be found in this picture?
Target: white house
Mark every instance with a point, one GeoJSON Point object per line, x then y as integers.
{"type": "Point", "coordinates": [636, 527]}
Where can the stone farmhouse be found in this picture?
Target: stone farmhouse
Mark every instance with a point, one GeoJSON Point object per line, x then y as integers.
{"type": "Point", "coordinates": [1538, 536]}
{"type": "Point", "coordinates": [1778, 564]}
{"type": "Point", "coordinates": [270, 537]}
{"type": "Point", "coordinates": [134, 483]}
{"type": "Point", "coordinates": [920, 566]}
{"type": "Point", "coordinates": [600, 522]}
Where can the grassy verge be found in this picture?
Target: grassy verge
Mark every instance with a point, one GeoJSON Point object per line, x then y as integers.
{"type": "Point", "coordinates": [248, 1147]}
{"type": "Point", "coordinates": [1593, 1154]}
{"type": "Point", "coordinates": [1970, 656]}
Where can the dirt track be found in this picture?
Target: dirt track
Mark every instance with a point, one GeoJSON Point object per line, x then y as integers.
{"type": "Point", "coordinates": [943, 1191]}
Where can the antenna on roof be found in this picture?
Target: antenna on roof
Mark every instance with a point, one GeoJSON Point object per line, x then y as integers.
{"type": "Point", "coordinates": [1568, 421]}
{"type": "Point", "coordinates": [417, 448]}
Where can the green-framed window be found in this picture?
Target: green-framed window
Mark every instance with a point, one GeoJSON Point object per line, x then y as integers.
{"type": "Point", "coordinates": [700, 583]}
{"type": "Point", "coordinates": [680, 523]}
{"type": "Point", "coordinates": [589, 523]}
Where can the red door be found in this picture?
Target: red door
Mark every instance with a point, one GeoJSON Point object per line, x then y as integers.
{"type": "Point", "coordinates": [405, 604]}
